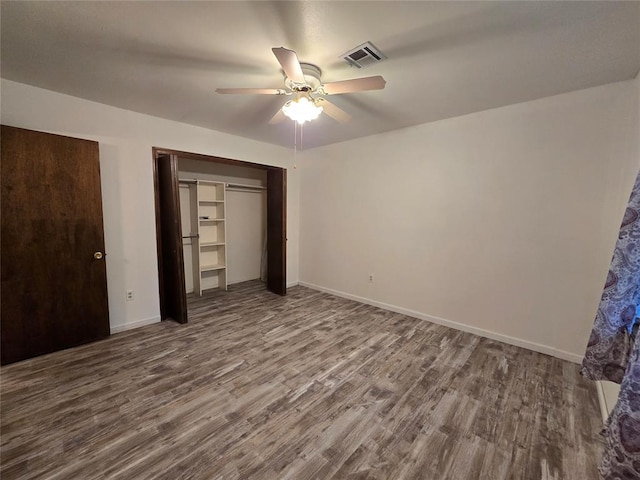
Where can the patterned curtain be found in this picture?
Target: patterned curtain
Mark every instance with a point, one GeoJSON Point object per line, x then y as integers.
{"type": "Point", "coordinates": [613, 352]}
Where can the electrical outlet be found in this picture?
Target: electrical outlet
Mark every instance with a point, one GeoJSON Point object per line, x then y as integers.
{"type": "Point", "coordinates": [371, 278]}
{"type": "Point", "coordinates": [129, 295]}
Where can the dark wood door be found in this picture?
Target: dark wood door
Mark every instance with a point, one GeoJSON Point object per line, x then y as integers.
{"type": "Point", "coordinates": [173, 296]}
{"type": "Point", "coordinates": [276, 230]}
{"type": "Point", "coordinates": [54, 289]}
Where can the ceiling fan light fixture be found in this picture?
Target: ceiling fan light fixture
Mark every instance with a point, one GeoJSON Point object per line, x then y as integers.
{"type": "Point", "coordinates": [301, 109]}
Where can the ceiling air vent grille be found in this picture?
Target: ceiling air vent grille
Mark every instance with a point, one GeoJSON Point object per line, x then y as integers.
{"type": "Point", "coordinates": [363, 55]}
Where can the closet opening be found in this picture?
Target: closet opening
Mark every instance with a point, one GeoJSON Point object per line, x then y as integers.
{"type": "Point", "coordinates": [218, 222]}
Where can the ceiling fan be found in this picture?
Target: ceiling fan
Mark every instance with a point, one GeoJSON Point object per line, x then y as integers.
{"type": "Point", "coordinates": [302, 80]}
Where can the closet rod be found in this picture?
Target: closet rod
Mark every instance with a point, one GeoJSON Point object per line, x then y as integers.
{"type": "Point", "coordinates": [240, 185]}
{"type": "Point", "coordinates": [195, 180]}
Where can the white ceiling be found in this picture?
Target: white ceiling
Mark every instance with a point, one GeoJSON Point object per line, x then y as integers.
{"type": "Point", "coordinates": [444, 58]}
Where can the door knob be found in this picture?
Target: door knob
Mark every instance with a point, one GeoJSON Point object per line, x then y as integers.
{"type": "Point", "coordinates": [98, 255]}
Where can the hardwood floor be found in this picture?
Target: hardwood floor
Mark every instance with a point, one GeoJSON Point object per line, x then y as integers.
{"type": "Point", "coordinates": [307, 386]}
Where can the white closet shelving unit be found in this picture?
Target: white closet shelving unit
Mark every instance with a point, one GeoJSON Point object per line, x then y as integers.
{"type": "Point", "coordinates": [209, 244]}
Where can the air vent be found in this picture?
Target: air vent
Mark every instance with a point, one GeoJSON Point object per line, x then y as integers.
{"type": "Point", "coordinates": [363, 55]}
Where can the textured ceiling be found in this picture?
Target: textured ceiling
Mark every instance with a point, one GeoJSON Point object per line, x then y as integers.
{"type": "Point", "coordinates": [444, 58]}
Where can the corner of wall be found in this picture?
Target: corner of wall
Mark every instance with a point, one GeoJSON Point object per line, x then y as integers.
{"type": "Point", "coordinates": [474, 219]}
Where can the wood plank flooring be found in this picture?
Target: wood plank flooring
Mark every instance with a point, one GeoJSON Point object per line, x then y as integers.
{"type": "Point", "coordinates": [307, 386]}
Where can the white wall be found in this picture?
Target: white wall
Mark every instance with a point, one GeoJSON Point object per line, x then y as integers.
{"type": "Point", "coordinates": [126, 139]}
{"type": "Point", "coordinates": [246, 212]}
{"type": "Point", "coordinates": [501, 222]}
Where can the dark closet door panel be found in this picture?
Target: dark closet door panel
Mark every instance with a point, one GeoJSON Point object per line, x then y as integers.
{"type": "Point", "coordinates": [54, 290]}
{"type": "Point", "coordinates": [276, 230]}
{"type": "Point", "coordinates": [172, 285]}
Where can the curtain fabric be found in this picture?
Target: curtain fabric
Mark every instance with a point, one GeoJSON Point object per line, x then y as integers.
{"type": "Point", "coordinates": [613, 351]}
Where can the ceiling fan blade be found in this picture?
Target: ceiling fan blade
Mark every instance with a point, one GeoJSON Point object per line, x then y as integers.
{"type": "Point", "coordinates": [279, 117]}
{"type": "Point", "coordinates": [290, 64]}
{"type": "Point", "coordinates": [254, 91]}
{"type": "Point", "coordinates": [334, 112]}
{"type": "Point", "coordinates": [355, 85]}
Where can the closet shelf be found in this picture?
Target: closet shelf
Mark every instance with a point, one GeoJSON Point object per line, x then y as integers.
{"type": "Point", "coordinates": [208, 252]}
{"type": "Point", "coordinates": [211, 244]}
{"type": "Point", "coordinates": [210, 268]}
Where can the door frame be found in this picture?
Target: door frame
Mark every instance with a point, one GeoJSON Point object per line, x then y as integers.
{"type": "Point", "coordinates": [279, 194]}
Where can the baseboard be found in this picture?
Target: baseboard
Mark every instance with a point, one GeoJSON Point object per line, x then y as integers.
{"type": "Point", "coordinates": [518, 342]}
{"type": "Point", "coordinates": [136, 324]}
{"type": "Point", "coordinates": [292, 284]}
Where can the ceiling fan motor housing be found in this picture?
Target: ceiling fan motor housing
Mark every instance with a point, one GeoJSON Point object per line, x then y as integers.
{"type": "Point", "coordinates": [311, 74]}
